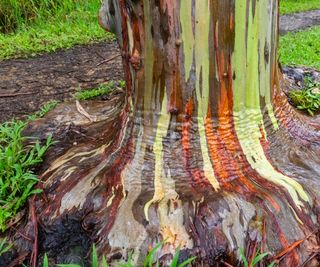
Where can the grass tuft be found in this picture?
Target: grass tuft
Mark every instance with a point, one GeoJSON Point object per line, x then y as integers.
{"type": "Point", "coordinates": [44, 110]}
{"type": "Point", "coordinates": [148, 262]}
{"type": "Point", "coordinates": [103, 89]}
{"type": "Point", "coordinates": [18, 157]}
{"type": "Point", "coordinates": [257, 258]}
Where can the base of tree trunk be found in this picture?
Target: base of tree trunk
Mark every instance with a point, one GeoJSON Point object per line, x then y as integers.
{"type": "Point", "coordinates": [98, 191]}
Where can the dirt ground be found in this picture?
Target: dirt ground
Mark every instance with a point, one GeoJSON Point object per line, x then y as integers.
{"type": "Point", "coordinates": [299, 21]}
{"type": "Point", "coordinates": [26, 84]}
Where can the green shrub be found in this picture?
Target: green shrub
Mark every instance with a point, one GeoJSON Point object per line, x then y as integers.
{"type": "Point", "coordinates": [18, 157]}
{"type": "Point", "coordinates": [307, 99]}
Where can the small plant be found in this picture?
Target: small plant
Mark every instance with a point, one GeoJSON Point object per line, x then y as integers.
{"type": "Point", "coordinates": [44, 110]}
{"type": "Point", "coordinates": [18, 159]}
{"type": "Point", "coordinates": [307, 99]}
{"type": "Point", "coordinates": [148, 262]}
{"type": "Point", "coordinates": [258, 257]}
{"type": "Point", "coordinates": [4, 247]}
{"type": "Point", "coordinates": [103, 89]}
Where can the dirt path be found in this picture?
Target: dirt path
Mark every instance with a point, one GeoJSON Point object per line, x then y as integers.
{"type": "Point", "coordinates": [299, 21]}
{"type": "Point", "coordinates": [26, 84]}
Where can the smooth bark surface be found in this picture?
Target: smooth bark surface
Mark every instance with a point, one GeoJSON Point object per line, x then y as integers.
{"type": "Point", "coordinates": [204, 152]}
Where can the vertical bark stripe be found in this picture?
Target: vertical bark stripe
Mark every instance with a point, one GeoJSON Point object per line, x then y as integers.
{"type": "Point", "coordinates": [187, 35]}
{"type": "Point", "coordinates": [148, 57]}
{"type": "Point", "coordinates": [247, 111]}
{"type": "Point", "coordinates": [159, 173]}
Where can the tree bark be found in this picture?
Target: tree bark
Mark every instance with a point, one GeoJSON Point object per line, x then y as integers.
{"type": "Point", "coordinates": [206, 153]}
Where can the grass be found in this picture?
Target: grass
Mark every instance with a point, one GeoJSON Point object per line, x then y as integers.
{"type": "Point", "coordinates": [307, 99]}
{"type": "Point", "coordinates": [61, 24]}
{"type": "Point", "coordinates": [149, 261]}
{"type": "Point", "coordinates": [258, 258]}
{"type": "Point", "coordinates": [301, 48]}
{"type": "Point", "coordinates": [4, 246]}
{"type": "Point", "coordinates": [14, 14]}
{"type": "Point", "coordinates": [293, 6]}
{"type": "Point", "coordinates": [18, 157]}
{"type": "Point", "coordinates": [103, 89]}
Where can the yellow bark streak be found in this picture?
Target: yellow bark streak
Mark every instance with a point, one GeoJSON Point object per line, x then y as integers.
{"type": "Point", "coordinates": [202, 62]}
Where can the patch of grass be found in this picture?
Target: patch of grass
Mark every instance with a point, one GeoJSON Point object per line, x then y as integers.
{"type": "Point", "coordinates": [293, 6]}
{"type": "Point", "coordinates": [301, 48]}
{"type": "Point", "coordinates": [63, 26]}
{"type": "Point", "coordinates": [18, 157]}
{"type": "Point", "coordinates": [15, 14]}
{"type": "Point", "coordinates": [258, 257]}
{"type": "Point", "coordinates": [307, 99]}
{"type": "Point", "coordinates": [148, 262]}
{"type": "Point", "coordinates": [103, 89]}
{"type": "Point", "coordinates": [44, 110]}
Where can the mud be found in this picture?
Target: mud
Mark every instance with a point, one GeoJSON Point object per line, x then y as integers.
{"type": "Point", "coordinates": [26, 84]}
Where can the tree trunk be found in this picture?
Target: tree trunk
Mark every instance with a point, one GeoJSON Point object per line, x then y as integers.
{"type": "Point", "coordinates": [206, 153]}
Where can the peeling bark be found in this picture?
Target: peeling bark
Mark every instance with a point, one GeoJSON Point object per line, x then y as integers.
{"type": "Point", "coordinates": [204, 152]}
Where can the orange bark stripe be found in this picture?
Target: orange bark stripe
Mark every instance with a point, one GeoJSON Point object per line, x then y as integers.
{"type": "Point", "coordinates": [197, 176]}
{"type": "Point", "coordinates": [223, 150]}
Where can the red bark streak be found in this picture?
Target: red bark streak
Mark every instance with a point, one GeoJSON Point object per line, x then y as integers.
{"type": "Point", "coordinates": [224, 144]}
{"type": "Point", "coordinates": [198, 178]}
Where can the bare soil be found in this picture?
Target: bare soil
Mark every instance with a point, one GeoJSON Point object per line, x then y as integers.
{"type": "Point", "coordinates": [299, 21]}
{"type": "Point", "coordinates": [26, 84]}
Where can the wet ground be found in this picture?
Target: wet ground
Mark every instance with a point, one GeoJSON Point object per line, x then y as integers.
{"type": "Point", "coordinates": [299, 21]}
{"type": "Point", "coordinates": [26, 84]}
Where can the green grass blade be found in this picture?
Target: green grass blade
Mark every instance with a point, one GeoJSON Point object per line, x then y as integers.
{"type": "Point", "coordinates": [45, 261]}
{"type": "Point", "coordinates": [148, 262]}
{"type": "Point", "coordinates": [272, 264]}
{"type": "Point", "coordinates": [94, 257]}
{"type": "Point", "coordinates": [259, 258]}
{"type": "Point", "coordinates": [68, 265]}
{"type": "Point", "coordinates": [243, 257]}
{"type": "Point", "coordinates": [186, 262]}
{"type": "Point", "coordinates": [175, 259]}
{"type": "Point", "coordinates": [104, 262]}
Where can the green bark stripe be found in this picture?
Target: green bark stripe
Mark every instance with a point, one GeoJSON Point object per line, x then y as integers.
{"type": "Point", "coordinates": [247, 111]}
{"type": "Point", "coordinates": [148, 56]}
{"type": "Point", "coordinates": [187, 35]}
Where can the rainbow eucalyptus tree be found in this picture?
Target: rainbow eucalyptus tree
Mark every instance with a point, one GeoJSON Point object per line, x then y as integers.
{"type": "Point", "coordinates": [204, 152]}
